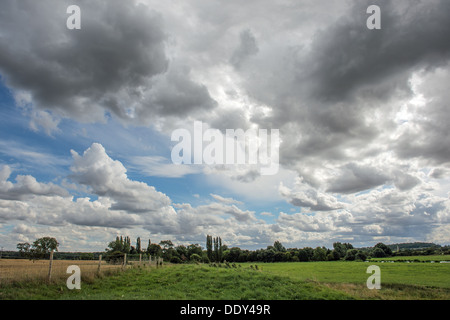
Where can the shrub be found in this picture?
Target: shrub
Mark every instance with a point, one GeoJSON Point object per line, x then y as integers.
{"type": "Point", "coordinates": [351, 254]}
{"type": "Point", "coordinates": [378, 253]}
{"type": "Point", "coordinates": [361, 256]}
{"type": "Point", "coordinates": [175, 259]}
{"type": "Point", "coordinates": [195, 257]}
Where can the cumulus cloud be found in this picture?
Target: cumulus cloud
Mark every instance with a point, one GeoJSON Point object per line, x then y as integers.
{"type": "Point", "coordinates": [108, 177]}
{"type": "Point", "coordinates": [309, 198]}
{"type": "Point", "coordinates": [25, 186]}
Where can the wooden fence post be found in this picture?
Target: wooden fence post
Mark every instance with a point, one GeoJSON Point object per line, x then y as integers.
{"type": "Point", "coordinates": [50, 266]}
{"type": "Point", "coordinates": [140, 259]}
{"type": "Point", "coordinates": [124, 261]}
{"type": "Point", "coordinates": [149, 259]}
{"type": "Point", "coordinates": [99, 263]}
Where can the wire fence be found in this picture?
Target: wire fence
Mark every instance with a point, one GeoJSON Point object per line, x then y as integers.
{"type": "Point", "coordinates": [52, 270]}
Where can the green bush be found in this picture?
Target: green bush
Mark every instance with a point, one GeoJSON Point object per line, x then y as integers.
{"type": "Point", "coordinates": [378, 253]}
{"type": "Point", "coordinates": [351, 254]}
{"type": "Point", "coordinates": [175, 259]}
{"type": "Point", "coordinates": [361, 256]}
{"type": "Point", "coordinates": [195, 258]}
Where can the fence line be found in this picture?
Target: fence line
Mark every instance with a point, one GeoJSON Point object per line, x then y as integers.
{"type": "Point", "coordinates": [18, 270]}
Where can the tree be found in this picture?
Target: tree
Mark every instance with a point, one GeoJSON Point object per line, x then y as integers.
{"type": "Point", "coordinates": [333, 256]}
{"type": "Point", "coordinates": [116, 245]}
{"type": "Point", "coordinates": [278, 247]}
{"type": "Point", "coordinates": [43, 246]}
{"type": "Point", "coordinates": [40, 248]}
{"type": "Point", "coordinates": [127, 245]}
{"type": "Point", "coordinates": [361, 256]}
{"type": "Point", "coordinates": [340, 249]}
{"type": "Point", "coordinates": [320, 254]}
{"type": "Point", "coordinates": [195, 258]}
{"type": "Point", "coordinates": [378, 253]}
{"type": "Point", "coordinates": [351, 254]}
{"type": "Point", "coordinates": [193, 249]}
{"type": "Point", "coordinates": [385, 248]}
{"type": "Point", "coordinates": [148, 246]}
{"type": "Point", "coordinates": [167, 249]}
{"type": "Point", "coordinates": [233, 254]}
{"type": "Point", "coordinates": [24, 249]}
{"type": "Point", "coordinates": [166, 244]}
{"type": "Point", "coordinates": [138, 245]}
{"type": "Point", "coordinates": [214, 248]}
{"type": "Point", "coordinates": [302, 255]}
{"type": "Point", "coordinates": [209, 247]}
{"type": "Point", "coordinates": [182, 251]}
{"type": "Point", "coordinates": [154, 250]}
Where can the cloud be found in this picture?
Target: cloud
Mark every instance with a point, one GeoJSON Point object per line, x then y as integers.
{"type": "Point", "coordinates": [26, 186]}
{"type": "Point", "coordinates": [316, 223]}
{"type": "Point", "coordinates": [44, 120]}
{"type": "Point", "coordinates": [116, 64]}
{"type": "Point", "coordinates": [225, 200]}
{"type": "Point", "coordinates": [366, 61]}
{"type": "Point", "coordinates": [362, 114]}
{"type": "Point", "coordinates": [309, 198]}
{"type": "Point", "coordinates": [354, 178]}
{"type": "Point", "coordinates": [423, 135]}
{"type": "Point", "coordinates": [107, 177]}
{"type": "Point", "coordinates": [247, 47]}
{"type": "Point", "coordinates": [157, 166]}
{"type": "Point", "coordinates": [439, 173]}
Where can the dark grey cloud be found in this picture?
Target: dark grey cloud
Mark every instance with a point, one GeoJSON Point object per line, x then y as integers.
{"type": "Point", "coordinates": [328, 91]}
{"type": "Point", "coordinates": [354, 178]}
{"type": "Point", "coordinates": [177, 95]}
{"type": "Point", "coordinates": [404, 181]}
{"type": "Point", "coordinates": [108, 66]}
{"type": "Point", "coordinates": [439, 173]}
{"type": "Point", "coordinates": [247, 47]}
{"type": "Point", "coordinates": [349, 57]}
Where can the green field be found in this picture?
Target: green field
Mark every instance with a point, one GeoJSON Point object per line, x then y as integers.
{"type": "Point", "coordinates": [271, 281]}
{"type": "Point", "coordinates": [436, 258]}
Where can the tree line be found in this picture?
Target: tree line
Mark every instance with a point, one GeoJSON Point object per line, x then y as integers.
{"type": "Point", "coordinates": [217, 251]}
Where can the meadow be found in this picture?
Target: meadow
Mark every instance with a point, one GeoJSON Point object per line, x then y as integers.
{"type": "Point", "coordinates": [333, 280]}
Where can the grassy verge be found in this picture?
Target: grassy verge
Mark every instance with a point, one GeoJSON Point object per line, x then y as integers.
{"type": "Point", "coordinates": [182, 282]}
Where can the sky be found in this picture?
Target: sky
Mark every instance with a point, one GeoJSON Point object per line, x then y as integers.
{"type": "Point", "coordinates": [87, 117]}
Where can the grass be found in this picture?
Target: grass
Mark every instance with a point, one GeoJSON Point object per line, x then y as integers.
{"type": "Point", "coordinates": [436, 258]}
{"type": "Point", "coordinates": [398, 280]}
{"type": "Point", "coordinates": [272, 281]}
{"type": "Point", "coordinates": [415, 274]}
{"type": "Point", "coordinates": [182, 282]}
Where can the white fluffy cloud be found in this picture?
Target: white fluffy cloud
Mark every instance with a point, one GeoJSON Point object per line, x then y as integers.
{"type": "Point", "coordinates": [25, 186]}
{"type": "Point", "coordinates": [107, 177]}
